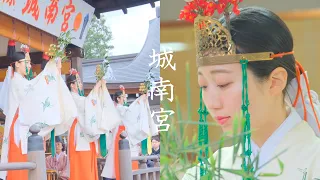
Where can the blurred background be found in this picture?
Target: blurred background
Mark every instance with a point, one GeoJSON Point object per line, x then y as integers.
{"type": "Point", "coordinates": [302, 17]}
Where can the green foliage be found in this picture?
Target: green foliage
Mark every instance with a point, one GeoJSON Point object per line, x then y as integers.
{"type": "Point", "coordinates": [97, 43]}
{"type": "Point", "coordinates": [102, 69]}
{"type": "Point", "coordinates": [58, 51]}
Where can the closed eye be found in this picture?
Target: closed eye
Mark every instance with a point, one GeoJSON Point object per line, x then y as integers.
{"type": "Point", "coordinates": [224, 85]}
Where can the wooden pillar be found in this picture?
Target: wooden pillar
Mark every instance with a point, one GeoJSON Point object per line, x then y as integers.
{"type": "Point", "coordinates": [76, 55]}
{"type": "Point", "coordinates": [76, 63]}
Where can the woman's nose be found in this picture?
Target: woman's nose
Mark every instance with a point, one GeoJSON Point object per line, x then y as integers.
{"type": "Point", "coordinates": [212, 99]}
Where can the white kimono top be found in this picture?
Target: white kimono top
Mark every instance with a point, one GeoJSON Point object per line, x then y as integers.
{"type": "Point", "coordinates": [139, 125]}
{"type": "Point", "coordinates": [301, 159]}
{"type": "Point", "coordinates": [44, 100]}
{"type": "Point", "coordinates": [97, 115]}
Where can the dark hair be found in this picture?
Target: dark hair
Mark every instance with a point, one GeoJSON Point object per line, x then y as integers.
{"type": "Point", "coordinates": [17, 56]}
{"type": "Point", "coordinates": [70, 80]}
{"type": "Point", "coordinates": [260, 30]}
{"type": "Point", "coordinates": [116, 95]}
{"type": "Point", "coordinates": [157, 138]}
{"type": "Point", "coordinates": [58, 139]}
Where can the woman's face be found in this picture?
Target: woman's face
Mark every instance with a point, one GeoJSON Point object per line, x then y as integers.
{"type": "Point", "coordinates": [22, 65]}
{"type": "Point", "coordinates": [59, 146]}
{"type": "Point", "coordinates": [76, 85]}
{"type": "Point", "coordinates": [222, 94]}
{"type": "Point", "coordinates": [121, 99]}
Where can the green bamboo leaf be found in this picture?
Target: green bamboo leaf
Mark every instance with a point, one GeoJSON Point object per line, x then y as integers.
{"type": "Point", "coordinates": [165, 160]}
{"type": "Point", "coordinates": [221, 144]}
{"type": "Point", "coordinates": [239, 172]}
{"type": "Point", "coordinates": [268, 175]}
{"type": "Point", "coordinates": [236, 140]}
{"type": "Point", "coordinates": [275, 157]}
{"type": "Point", "coordinates": [281, 165]}
{"type": "Point", "coordinates": [188, 91]}
{"type": "Point", "coordinates": [207, 177]}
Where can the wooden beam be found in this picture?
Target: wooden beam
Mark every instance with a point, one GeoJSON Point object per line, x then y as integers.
{"type": "Point", "coordinates": [74, 51]}
{"type": "Point", "coordinates": [37, 69]}
{"type": "Point", "coordinates": [175, 24]}
{"type": "Point", "coordinates": [123, 5]}
{"type": "Point", "coordinates": [153, 5]}
{"type": "Point", "coordinates": [25, 33]}
{"type": "Point", "coordinates": [286, 16]}
{"type": "Point", "coordinates": [103, 6]}
{"type": "Point", "coordinates": [125, 10]}
{"type": "Point", "coordinates": [97, 13]}
{"type": "Point", "coordinates": [300, 14]}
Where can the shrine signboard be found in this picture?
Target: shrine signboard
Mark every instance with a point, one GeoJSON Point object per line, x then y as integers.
{"type": "Point", "coordinates": [52, 16]}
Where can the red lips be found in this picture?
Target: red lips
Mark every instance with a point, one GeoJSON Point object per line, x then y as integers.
{"type": "Point", "coordinates": [222, 119]}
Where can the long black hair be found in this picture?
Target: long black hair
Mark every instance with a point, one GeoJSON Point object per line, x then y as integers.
{"type": "Point", "coordinates": [260, 30]}
{"type": "Point", "coordinates": [71, 79]}
{"type": "Point", "coordinates": [116, 95]}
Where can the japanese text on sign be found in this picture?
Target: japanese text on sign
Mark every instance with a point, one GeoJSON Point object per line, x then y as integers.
{"type": "Point", "coordinates": [32, 7]}
{"type": "Point", "coordinates": [52, 12]}
{"type": "Point", "coordinates": [53, 16]}
{"type": "Point", "coordinates": [66, 12]}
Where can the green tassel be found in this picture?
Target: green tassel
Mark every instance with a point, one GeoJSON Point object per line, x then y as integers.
{"type": "Point", "coordinates": [246, 139]}
{"type": "Point", "coordinates": [203, 138]}
{"type": "Point", "coordinates": [28, 74]}
{"type": "Point", "coordinates": [103, 145]}
{"type": "Point", "coordinates": [144, 147]}
{"type": "Point", "coordinates": [126, 104]}
{"type": "Point", "coordinates": [80, 92]}
{"type": "Point", "coordinates": [53, 143]}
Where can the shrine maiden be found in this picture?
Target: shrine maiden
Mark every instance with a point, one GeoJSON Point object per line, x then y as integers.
{"type": "Point", "coordinates": [38, 101]}
{"type": "Point", "coordinates": [96, 116]}
{"type": "Point", "coordinates": [277, 117]}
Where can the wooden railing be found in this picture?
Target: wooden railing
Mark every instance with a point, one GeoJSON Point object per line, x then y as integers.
{"type": "Point", "coordinates": [144, 172]}
{"type": "Point", "coordinates": [126, 173]}
{"type": "Point", "coordinates": [37, 166]}
{"type": "Point", "coordinates": [36, 158]}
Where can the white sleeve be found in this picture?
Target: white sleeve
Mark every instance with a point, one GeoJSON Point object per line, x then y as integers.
{"type": "Point", "coordinates": [4, 92]}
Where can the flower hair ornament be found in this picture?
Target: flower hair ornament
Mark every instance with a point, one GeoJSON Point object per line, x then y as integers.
{"type": "Point", "coordinates": [74, 72]}
{"type": "Point", "coordinates": [214, 46]}
{"type": "Point", "coordinates": [24, 48]}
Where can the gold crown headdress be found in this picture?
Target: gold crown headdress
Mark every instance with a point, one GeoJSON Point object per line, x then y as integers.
{"type": "Point", "coordinates": [213, 41]}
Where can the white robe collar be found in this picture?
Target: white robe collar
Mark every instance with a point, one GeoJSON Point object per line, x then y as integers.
{"type": "Point", "coordinates": [267, 150]}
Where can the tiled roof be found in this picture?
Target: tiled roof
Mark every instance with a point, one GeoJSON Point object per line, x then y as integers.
{"type": "Point", "coordinates": [124, 69]}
